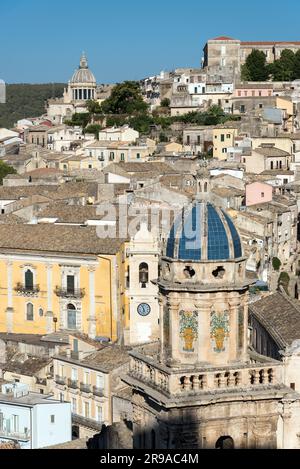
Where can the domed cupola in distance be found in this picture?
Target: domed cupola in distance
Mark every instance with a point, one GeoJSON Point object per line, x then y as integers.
{"type": "Point", "coordinates": [83, 82]}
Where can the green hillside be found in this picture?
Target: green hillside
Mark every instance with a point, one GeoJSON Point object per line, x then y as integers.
{"type": "Point", "coordinates": [26, 100]}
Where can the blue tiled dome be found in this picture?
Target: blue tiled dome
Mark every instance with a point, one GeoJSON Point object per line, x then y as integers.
{"type": "Point", "coordinates": [203, 232]}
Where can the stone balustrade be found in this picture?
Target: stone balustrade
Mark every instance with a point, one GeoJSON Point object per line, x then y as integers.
{"type": "Point", "coordinates": [176, 382]}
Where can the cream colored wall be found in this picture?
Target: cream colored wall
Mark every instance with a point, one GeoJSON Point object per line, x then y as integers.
{"type": "Point", "coordinates": [81, 397]}
{"type": "Point", "coordinates": [254, 163]}
{"type": "Point", "coordinates": [284, 144]}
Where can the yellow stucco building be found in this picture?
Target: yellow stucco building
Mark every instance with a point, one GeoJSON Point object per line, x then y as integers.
{"type": "Point", "coordinates": [223, 138]}
{"type": "Point", "coordinates": [61, 278]}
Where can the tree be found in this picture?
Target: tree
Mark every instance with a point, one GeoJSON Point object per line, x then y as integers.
{"type": "Point", "coordinates": [93, 129]}
{"type": "Point", "coordinates": [276, 263]}
{"type": "Point", "coordinates": [5, 169]}
{"type": "Point", "coordinates": [165, 102]}
{"type": "Point", "coordinates": [93, 107]}
{"type": "Point", "coordinates": [81, 119]}
{"type": "Point", "coordinates": [283, 68]}
{"type": "Point", "coordinates": [256, 69]}
{"type": "Point", "coordinates": [126, 98]}
{"type": "Point", "coordinates": [296, 68]}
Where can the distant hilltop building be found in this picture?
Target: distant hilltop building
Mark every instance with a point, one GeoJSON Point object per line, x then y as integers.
{"type": "Point", "coordinates": [224, 51]}
{"type": "Point", "coordinates": [81, 88]}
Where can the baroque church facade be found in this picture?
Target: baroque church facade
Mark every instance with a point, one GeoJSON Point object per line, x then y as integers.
{"type": "Point", "coordinates": [200, 386]}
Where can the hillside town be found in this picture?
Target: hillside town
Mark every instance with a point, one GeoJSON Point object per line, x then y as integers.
{"type": "Point", "coordinates": [150, 259]}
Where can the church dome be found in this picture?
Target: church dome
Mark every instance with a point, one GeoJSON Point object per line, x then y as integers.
{"type": "Point", "coordinates": [203, 232]}
{"type": "Point", "coordinates": [83, 74]}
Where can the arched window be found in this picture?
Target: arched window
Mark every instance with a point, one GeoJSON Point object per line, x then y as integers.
{"type": "Point", "coordinates": [71, 317]}
{"type": "Point", "coordinates": [143, 274]}
{"type": "Point", "coordinates": [29, 279]}
{"type": "Point", "coordinates": [205, 187]}
{"type": "Point", "coordinates": [29, 312]}
{"type": "Point", "coordinates": [272, 165]}
{"type": "Point", "coordinates": [225, 442]}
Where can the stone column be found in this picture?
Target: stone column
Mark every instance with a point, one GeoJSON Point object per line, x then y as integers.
{"type": "Point", "coordinates": [234, 354]}
{"type": "Point", "coordinates": [49, 313]}
{"type": "Point", "coordinates": [173, 331]}
{"type": "Point", "coordinates": [92, 310]}
{"type": "Point", "coordinates": [9, 309]}
{"type": "Point", "coordinates": [161, 333]}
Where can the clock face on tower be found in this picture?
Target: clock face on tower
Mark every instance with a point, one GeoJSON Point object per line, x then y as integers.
{"type": "Point", "coordinates": [143, 309]}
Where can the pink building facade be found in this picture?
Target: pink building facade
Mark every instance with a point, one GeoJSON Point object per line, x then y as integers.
{"type": "Point", "coordinates": [253, 91]}
{"type": "Point", "coordinates": [257, 193]}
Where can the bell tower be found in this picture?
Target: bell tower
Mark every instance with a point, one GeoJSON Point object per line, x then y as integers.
{"type": "Point", "coordinates": [200, 386]}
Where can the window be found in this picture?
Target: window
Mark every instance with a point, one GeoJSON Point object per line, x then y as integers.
{"type": "Point", "coordinates": [52, 418]}
{"type": "Point", "coordinates": [143, 274]}
{"type": "Point", "coordinates": [100, 382]}
{"type": "Point", "coordinates": [86, 377]}
{"type": "Point", "coordinates": [224, 150]}
{"type": "Point", "coordinates": [188, 139]}
{"type": "Point", "coordinates": [29, 312]}
{"type": "Point", "coordinates": [260, 105]}
{"type": "Point", "coordinates": [29, 279]}
{"type": "Point", "coordinates": [99, 413]}
{"type": "Point", "coordinates": [90, 166]}
{"type": "Point", "coordinates": [74, 405]}
{"type": "Point", "coordinates": [15, 423]}
{"type": "Point", "coordinates": [74, 374]}
{"type": "Point", "coordinates": [262, 194]}
{"type": "Point", "coordinates": [198, 140]}
{"type": "Point", "coordinates": [111, 156]}
{"type": "Point", "coordinates": [122, 157]}
{"type": "Point", "coordinates": [253, 93]}
{"type": "Point", "coordinates": [61, 397]}
{"type": "Point", "coordinates": [138, 156]}
{"type": "Point", "coordinates": [259, 93]}
{"type": "Point", "coordinates": [272, 165]}
{"type": "Point", "coordinates": [242, 108]}
{"type": "Point", "coordinates": [228, 136]}
{"type": "Point", "coordinates": [70, 283]}
{"type": "Point", "coordinates": [239, 93]}
{"type": "Point", "coordinates": [222, 137]}
{"type": "Point", "coordinates": [71, 317]}
{"type": "Point", "coordinates": [196, 90]}
{"type": "Point", "coordinates": [293, 386]}
{"type": "Point", "coordinates": [41, 312]}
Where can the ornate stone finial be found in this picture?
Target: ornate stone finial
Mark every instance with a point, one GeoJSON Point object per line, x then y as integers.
{"type": "Point", "coordinates": [83, 61]}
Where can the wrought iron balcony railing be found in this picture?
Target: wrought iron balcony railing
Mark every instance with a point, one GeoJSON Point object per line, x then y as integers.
{"type": "Point", "coordinates": [27, 290]}
{"type": "Point", "coordinates": [60, 379]}
{"type": "Point", "coordinates": [98, 391]}
{"type": "Point", "coordinates": [85, 387]}
{"type": "Point", "coordinates": [72, 383]}
{"type": "Point", "coordinates": [68, 293]}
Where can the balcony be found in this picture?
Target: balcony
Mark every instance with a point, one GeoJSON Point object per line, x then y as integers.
{"type": "Point", "coordinates": [77, 293]}
{"type": "Point", "coordinates": [98, 391]}
{"type": "Point", "coordinates": [85, 388]}
{"type": "Point", "coordinates": [86, 422]}
{"type": "Point", "coordinates": [22, 436]}
{"type": "Point", "coordinates": [60, 380]}
{"type": "Point", "coordinates": [22, 289]}
{"type": "Point", "coordinates": [172, 382]}
{"type": "Point", "coordinates": [72, 383]}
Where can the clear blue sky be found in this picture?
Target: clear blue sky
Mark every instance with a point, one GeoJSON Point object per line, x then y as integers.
{"type": "Point", "coordinates": [41, 41]}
